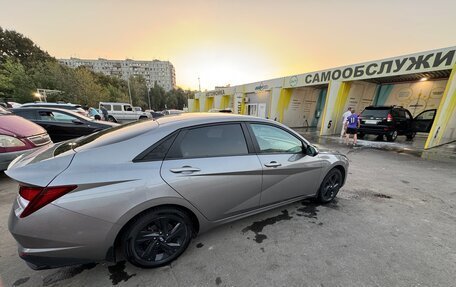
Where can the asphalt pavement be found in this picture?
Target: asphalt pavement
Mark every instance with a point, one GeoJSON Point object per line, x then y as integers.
{"type": "Point", "coordinates": [393, 224]}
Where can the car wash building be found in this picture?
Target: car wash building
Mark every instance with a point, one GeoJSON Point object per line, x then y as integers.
{"type": "Point", "coordinates": [423, 83]}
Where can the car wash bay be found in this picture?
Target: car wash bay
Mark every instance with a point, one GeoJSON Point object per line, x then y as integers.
{"type": "Point", "coordinates": [415, 92]}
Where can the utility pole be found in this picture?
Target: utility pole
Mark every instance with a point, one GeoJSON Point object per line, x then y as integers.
{"type": "Point", "coordinates": [148, 97]}
{"type": "Point", "coordinates": [129, 91]}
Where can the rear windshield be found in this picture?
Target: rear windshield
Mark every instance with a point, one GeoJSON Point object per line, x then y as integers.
{"type": "Point", "coordinates": [108, 136]}
{"type": "Point", "coordinates": [375, 113]}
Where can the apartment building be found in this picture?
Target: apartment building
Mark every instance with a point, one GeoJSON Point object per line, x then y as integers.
{"type": "Point", "coordinates": [155, 71]}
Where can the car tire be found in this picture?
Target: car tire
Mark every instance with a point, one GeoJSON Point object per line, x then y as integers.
{"type": "Point", "coordinates": [112, 119]}
{"type": "Point", "coordinates": [330, 186]}
{"type": "Point", "coordinates": [410, 136]}
{"type": "Point", "coordinates": [392, 137]}
{"type": "Point", "coordinates": [142, 118]}
{"type": "Point", "coordinates": [361, 136]}
{"type": "Point", "coordinates": [157, 237]}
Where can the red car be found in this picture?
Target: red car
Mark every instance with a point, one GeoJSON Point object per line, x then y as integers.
{"type": "Point", "coordinates": [18, 136]}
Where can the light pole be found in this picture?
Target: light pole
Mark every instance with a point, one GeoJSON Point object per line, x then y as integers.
{"type": "Point", "coordinates": [129, 91]}
{"type": "Point", "coordinates": [148, 97]}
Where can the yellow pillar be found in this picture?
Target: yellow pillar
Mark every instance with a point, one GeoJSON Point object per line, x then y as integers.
{"type": "Point", "coordinates": [284, 101]}
{"type": "Point", "coordinates": [445, 112]}
{"type": "Point", "coordinates": [336, 99]}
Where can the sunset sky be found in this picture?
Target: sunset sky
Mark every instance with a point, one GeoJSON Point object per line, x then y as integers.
{"type": "Point", "coordinates": [234, 42]}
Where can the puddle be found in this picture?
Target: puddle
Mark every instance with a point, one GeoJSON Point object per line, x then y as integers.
{"type": "Point", "coordinates": [20, 281]}
{"type": "Point", "coordinates": [118, 273]}
{"type": "Point", "coordinates": [66, 273]}
{"type": "Point", "coordinates": [309, 210]}
{"type": "Point", "coordinates": [381, 195]}
{"type": "Point", "coordinates": [257, 226]}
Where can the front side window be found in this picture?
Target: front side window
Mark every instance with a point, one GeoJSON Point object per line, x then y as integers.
{"type": "Point", "coordinates": [128, 108]}
{"type": "Point", "coordinates": [221, 140]}
{"type": "Point", "coordinates": [426, 115]}
{"type": "Point", "coordinates": [56, 117]}
{"type": "Point", "coordinates": [275, 140]}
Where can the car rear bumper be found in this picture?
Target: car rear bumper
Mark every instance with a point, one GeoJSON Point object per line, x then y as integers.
{"type": "Point", "coordinates": [55, 237]}
{"type": "Point", "coordinates": [375, 130]}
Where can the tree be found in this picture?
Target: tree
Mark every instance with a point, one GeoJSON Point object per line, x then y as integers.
{"type": "Point", "coordinates": [14, 82]}
{"type": "Point", "coordinates": [16, 46]}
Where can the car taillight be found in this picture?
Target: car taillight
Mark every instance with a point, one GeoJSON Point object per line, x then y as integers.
{"type": "Point", "coordinates": [389, 118]}
{"type": "Point", "coordinates": [39, 197]}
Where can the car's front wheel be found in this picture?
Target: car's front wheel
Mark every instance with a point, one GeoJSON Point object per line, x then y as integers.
{"type": "Point", "coordinates": [330, 186]}
{"type": "Point", "coordinates": [157, 237]}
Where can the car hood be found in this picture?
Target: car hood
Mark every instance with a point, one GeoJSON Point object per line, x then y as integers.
{"type": "Point", "coordinates": [19, 126]}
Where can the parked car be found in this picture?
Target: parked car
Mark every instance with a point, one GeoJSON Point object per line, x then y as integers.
{"type": "Point", "coordinates": [172, 112]}
{"type": "Point", "coordinates": [155, 115]}
{"type": "Point", "coordinates": [393, 121]}
{"type": "Point", "coordinates": [220, 111]}
{"type": "Point", "coordinates": [61, 124]}
{"type": "Point", "coordinates": [72, 107]}
{"type": "Point", "coordinates": [158, 184]}
{"type": "Point", "coordinates": [18, 136]}
{"type": "Point", "coordinates": [123, 112]}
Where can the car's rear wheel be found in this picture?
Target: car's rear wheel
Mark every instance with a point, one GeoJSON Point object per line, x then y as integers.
{"type": "Point", "coordinates": [330, 186]}
{"type": "Point", "coordinates": [361, 135]}
{"type": "Point", "coordinates": [112, 119]}
{"type": "Point", "coordinates": [392, 136]}
{"type": "Point", "coordinates": [157, 237]}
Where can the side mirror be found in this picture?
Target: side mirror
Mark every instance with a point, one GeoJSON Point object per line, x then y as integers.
{"type": "Point", "coordinates": [310, 150]}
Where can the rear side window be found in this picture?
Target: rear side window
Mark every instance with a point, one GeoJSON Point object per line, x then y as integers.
{"type": "Point", "coordinates": [211, 141]}
{"type": "Point", "coordinates": [401, 113]}
{"type": "Point", "coordinates": [107, 107]}
{"type": "Point", "coordinates": [117, 108]}
{"type": "Point", "coordinates": [157, 151]}
{"type": "Point", "coordinates": [28, 114]}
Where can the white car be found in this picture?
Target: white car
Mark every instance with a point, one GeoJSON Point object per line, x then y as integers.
{"type": "Point", "coordinates": [123, 112]}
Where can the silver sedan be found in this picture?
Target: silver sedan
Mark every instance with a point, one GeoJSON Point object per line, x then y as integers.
{"type": "Point", "coordinates": [145, 189]}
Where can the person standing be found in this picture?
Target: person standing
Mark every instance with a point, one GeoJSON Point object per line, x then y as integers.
{"type": "Point", "coordinates": [344, 121]}
{"type": "Point", "coordinates": [352, 125]}
{"type": "Point", "coordinates": [104, 111]}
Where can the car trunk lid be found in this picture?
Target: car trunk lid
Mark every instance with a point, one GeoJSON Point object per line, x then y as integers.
{"type": "Point", "coordinates": [41, 166]}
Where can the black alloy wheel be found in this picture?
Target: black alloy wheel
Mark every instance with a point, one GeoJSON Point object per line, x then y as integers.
{"type": "Point", "coordinates": [330, 186]}
{"type": "Point", "coordinates": [392, 137]}
{"type": "Point", "coordinates": [157, 238]}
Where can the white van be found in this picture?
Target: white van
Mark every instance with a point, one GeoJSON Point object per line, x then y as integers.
{"type": "Point", "coordinates": [123, 112]}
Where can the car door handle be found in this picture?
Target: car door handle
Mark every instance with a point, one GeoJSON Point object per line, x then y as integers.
{"type": "Point", "coordinates": [184, 169]}
{"type": "Point", "coordinates": [272, 164]}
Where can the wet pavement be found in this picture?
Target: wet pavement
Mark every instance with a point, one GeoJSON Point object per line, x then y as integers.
{"type": "Point", "coordinates": [393, 224]}
{"type": "Point", "coordinates": [446, 152]}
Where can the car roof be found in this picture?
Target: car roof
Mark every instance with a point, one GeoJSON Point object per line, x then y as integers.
{"type": "Point", "coordinates": [113, 103]}
{"type": "Point", "coordinates": [190, 119]}
{"type": "Point", "coordinates": [50, 105]}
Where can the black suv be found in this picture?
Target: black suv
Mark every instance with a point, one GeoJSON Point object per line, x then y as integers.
{"type": "Point", "coordinates": [391, 121]}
